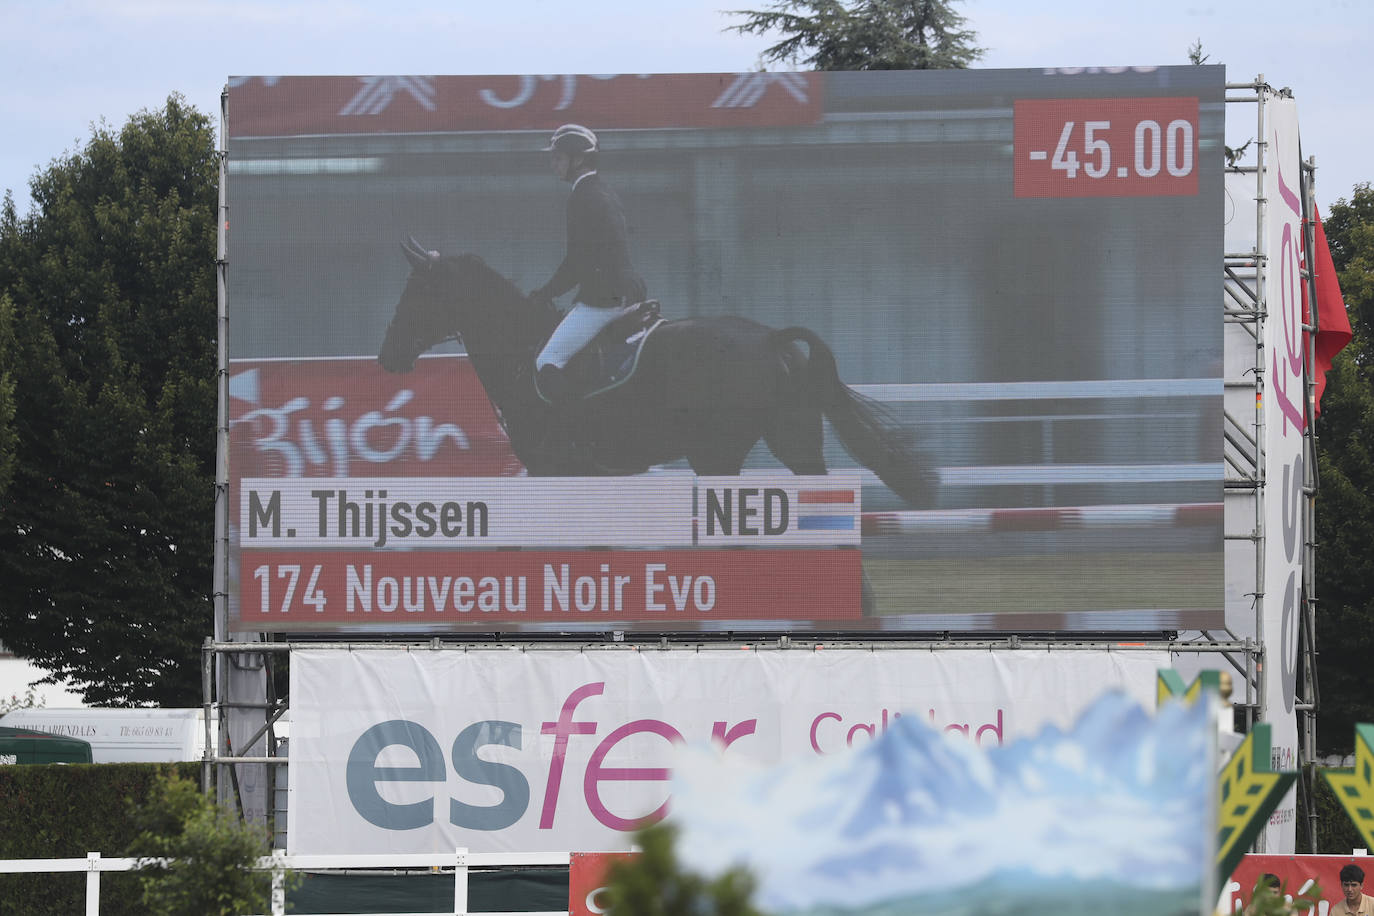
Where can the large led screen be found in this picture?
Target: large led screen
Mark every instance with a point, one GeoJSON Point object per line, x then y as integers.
{"type": "Point", "coordinates": [939, 351]}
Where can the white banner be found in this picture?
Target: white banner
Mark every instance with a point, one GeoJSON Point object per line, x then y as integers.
{"type": "Point", "coordinates": [465, 512]}
{"type": "Point", "coordinates": [1284, 474]}
{"type": "Point", "coordinates": [546, 750]}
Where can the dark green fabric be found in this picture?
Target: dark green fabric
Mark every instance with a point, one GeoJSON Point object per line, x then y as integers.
{"type": "Point", "coordinates": [29, 746]}
{"type": "Point", "coordinates": [504, 891]}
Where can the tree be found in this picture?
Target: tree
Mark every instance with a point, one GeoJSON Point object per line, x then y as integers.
{"type": "Point", "coordinates": [196, 856]}
{"type": "Point", "coordinates": [864, 34]}
{"type": "Point", "coordinates": [31, 699]}
{"type": "Point", "coordinates": [1233, 155]}
{"type": "Point", "coordinates": [1345, 499]}
{"type": "Point", "coordinates": [1272, 899]}
{"type": "Point", "coordinates": [7, 353]}
{"type": "Point", "coordinates": [654, 883]}
{"type": "Point", "coordinates": [106, 541]}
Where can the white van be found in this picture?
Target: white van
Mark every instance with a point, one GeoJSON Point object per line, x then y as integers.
{"type": "Point", "coordinates": [122, 735]}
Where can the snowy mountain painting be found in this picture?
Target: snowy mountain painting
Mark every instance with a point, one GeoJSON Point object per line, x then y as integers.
{"type": "Point", "coordinates": [1111, 816]}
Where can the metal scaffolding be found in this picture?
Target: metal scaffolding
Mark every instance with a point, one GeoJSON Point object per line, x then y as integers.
{"type": "Point", "coordinates": [1247, 312]}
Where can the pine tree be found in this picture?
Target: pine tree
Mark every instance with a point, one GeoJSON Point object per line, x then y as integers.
{"type": "Point", "coordinates": [864, 34]}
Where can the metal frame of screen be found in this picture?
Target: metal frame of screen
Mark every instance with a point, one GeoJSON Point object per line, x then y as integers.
{"type": "Point", "coordinates": [234, 658]}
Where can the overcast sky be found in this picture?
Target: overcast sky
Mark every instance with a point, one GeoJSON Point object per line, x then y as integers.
{"type": "Point", "coordinates": [66, 65]}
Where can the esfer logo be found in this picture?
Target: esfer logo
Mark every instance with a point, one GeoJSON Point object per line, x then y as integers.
{"type": "Point", "coordinates": [366, 779]}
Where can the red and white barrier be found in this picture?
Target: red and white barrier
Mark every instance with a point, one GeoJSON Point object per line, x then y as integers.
{"type": "Point", "coordinates": [1058, 518]}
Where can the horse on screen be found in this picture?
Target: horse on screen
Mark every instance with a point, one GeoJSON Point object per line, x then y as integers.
{"type": "Point", "coordinates": [704, 389]}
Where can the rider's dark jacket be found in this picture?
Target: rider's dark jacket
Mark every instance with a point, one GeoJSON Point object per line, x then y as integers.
{"type": "Point", "coordinates": [598, 258]}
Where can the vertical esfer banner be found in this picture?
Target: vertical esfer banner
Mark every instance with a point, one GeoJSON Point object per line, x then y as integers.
{"type": "Point", "coordinates": [1284, 470]}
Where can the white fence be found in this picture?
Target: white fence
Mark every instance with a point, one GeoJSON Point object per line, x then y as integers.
{"type": "Point", "coordinates": [279, 863]}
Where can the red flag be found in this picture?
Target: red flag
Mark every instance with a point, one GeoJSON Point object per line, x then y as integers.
{"type": "Point", "coordinates": [1333, 325]}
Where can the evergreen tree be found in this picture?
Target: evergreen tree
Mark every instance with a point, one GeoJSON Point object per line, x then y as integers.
{"type": "Point", "coordinates": [864, 34]}
{"type": "Point", "coordinates": [1345, 500]}
{"type": "Point", "coordinates": [108, 289]}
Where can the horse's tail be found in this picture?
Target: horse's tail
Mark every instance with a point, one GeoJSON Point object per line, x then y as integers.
{"type": "Point", "coordinates": [866, 429]}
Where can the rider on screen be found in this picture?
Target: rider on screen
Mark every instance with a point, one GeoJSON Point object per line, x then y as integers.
{"type": "Point", "coordinates": [597, 260]}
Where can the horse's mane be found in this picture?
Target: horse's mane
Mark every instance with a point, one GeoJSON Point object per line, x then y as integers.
{"type": "Point", "coordinates": [498, 298]}
{"type": "Point", "coordinates": [479, 278]}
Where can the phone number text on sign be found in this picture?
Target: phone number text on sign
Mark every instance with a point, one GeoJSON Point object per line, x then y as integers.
{"type": "Point", "coordinates": [1106, 147]}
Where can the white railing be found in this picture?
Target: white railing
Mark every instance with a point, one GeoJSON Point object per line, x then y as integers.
{"type": "Point", "coordinates": [279, 863]}
{"type": "Point", "coordinates": [92, 865]}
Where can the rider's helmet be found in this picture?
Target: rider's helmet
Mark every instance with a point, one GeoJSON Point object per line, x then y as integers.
{"type": "Point", "coordinates": [573, 139]}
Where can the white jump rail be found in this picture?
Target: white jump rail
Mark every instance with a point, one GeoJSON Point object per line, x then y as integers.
{"type": "Point", "coordinates": [279, 863]}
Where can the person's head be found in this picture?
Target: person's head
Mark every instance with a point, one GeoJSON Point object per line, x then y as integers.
{"type": "Point", "coordinates": [572, 150]}
{"type": "Point", "coordinates": [1352, 883]}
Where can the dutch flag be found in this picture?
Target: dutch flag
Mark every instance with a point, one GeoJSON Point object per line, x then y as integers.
{"type": "Point", "coordinates": [827, 510]}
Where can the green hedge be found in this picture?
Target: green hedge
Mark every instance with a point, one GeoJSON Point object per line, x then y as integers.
{"type": "Point", "coordinates": [64, 812]}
